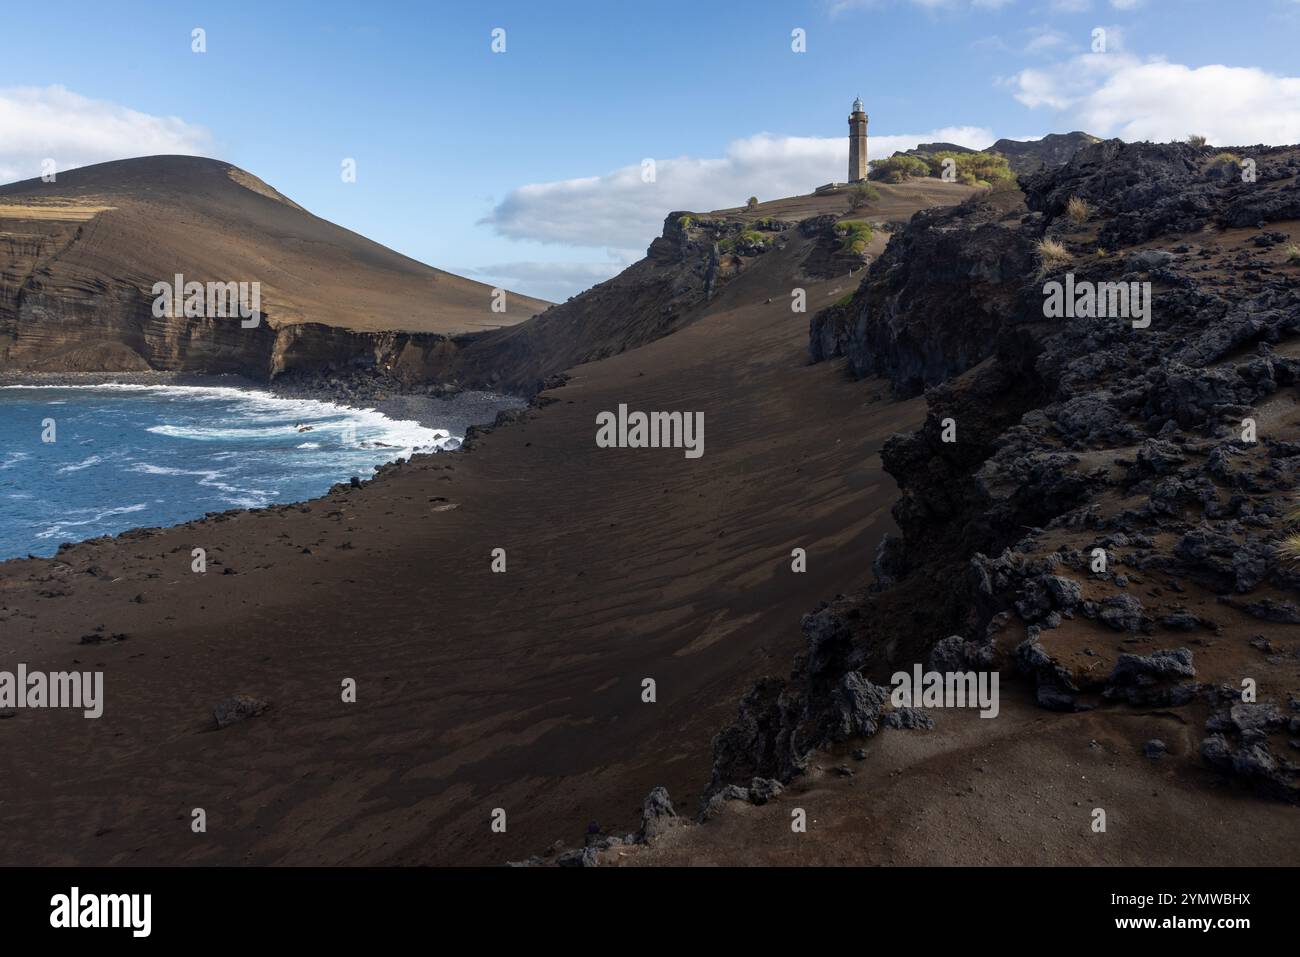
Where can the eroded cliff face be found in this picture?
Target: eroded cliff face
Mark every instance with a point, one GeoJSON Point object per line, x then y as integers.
{"type": "Point", "coordinates": [931, 305]}
{"type": "Point", "coordinates": [54, 317]}
{"type": "Point", "coordinates": [54, 325]}
{"type": "Point", "coordinates": [81, 254]}
{"type": "Point", "coordinates": [1102, 506]}
{"type": "Point", "coordinates": [684, 268]}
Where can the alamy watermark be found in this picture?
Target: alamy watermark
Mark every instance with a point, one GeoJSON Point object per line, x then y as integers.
{"type": "Point", "coordinates": [1098, 300]}
{"type": "Point", "coordinates": [75, 909]}
{"type": "Point", "coordinates": [651, 430]}
{"type": "Point", "coordinates": [946, 689]}
{"type": "Point", "coordinates": [213, 300]}
{"type": "Point", "coordinates": [54, 689]}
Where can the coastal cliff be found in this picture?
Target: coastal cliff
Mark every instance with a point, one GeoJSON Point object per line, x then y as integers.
{"type": "Point", "coordinates": [1108, 500]}
{"type": "Point", "coordinates": [79, 259]}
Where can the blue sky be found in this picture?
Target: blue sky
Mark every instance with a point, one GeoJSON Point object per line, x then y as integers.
{"type": "Point", "coordinates": [524, 167]}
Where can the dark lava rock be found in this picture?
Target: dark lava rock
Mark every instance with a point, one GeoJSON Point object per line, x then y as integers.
{"type": "Point", "coordinates": [1053, 687]}
{"type": "Point", "coordinates": [762, 790]}
{"type": "Point", "coordinates": [857, 707]}
{"type": "Point", "coordinates": [238, 708]}
{"type": "Point", "coordinates": [1284, 612]}
{"type": "Point", "coordinates": [657, 814]}
{"type": "Point", "coordinates": [578, 857]}
{"type": "Point", "coordinates": [909, 719]}
{"type": "Point", "coordinates": [1161, 678]}
{"type": "Point", "coordinates": [1122, 612]}
{"type": "Point", "coordinates": [1065, 593]}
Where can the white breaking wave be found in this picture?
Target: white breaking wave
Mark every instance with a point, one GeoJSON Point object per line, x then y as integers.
{"type": "Point", "coordinates": [181, 450]}
{"type": "Point", "coordinates": [57, 528]}
{"type": "Point", "coordinates": [87, 463]}
{"type": "Point", "coordinates": [235, 494]}
{"type": "Point", "coordinates": [278, 417]}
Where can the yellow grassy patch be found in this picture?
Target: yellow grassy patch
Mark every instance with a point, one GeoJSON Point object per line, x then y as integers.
{"type": "Point", "coordinates": [58, 212]}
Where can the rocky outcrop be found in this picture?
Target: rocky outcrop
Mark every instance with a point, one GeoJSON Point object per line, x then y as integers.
{"type": "Point", "coordinates": [931, 305]}
{"type": "Point", "coordinates": [684, 269]}
{"type": "Point", "coordinates": [1054, 149]}
{"type": "Point", "coordinates": [1023, 156]}
{"type": "Point", "coordinates": [1097, 495]}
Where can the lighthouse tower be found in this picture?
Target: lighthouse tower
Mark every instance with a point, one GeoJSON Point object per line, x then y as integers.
{"type": "Point", "coordinates": [857, 143]}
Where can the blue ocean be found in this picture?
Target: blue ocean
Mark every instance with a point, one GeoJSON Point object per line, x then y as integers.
{"type": "Point", "coordinates": [126, 456]}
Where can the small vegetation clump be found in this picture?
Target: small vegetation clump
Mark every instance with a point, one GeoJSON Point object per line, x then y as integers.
{"type": "Point", "coordinates": [856, 235]}
{"type": "Point", "coordinates": [844, 300]}
{"type": "Point", "coordinates": [898, 168]}
{"type": "Point", "coordinates": [986, 170]}
{"type": "Point", "coordinates": [1078, 210]}
{"type": "Point", "coordinates": [1226, 160]}
{"type": "Point", "coordinates": [751, 203]}
{"type": "Point", "coordinates": [1196, 139]}
{"type": "Point", "coordinates": [1289, 547]}
{"type": "Point", "coordinates": [750, 237]}
{"type": "Point", "coordinates": [862, 194]}
{"type": "Point", "coordinates": [685, 222]}
{"type": "Point", "coordinates": [1052, 255]}
{"type": "Point", "coordinates": [1292, 253]}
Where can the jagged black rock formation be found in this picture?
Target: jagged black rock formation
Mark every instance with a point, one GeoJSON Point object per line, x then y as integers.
{"type": "Point", "coordinates": [1023, 156]}
{"type": "Point", "coordinates": [1080, 484]}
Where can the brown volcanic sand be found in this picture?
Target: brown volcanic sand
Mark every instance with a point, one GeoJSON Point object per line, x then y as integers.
{"type": "Point", "coordinates": [476, 690]}
{"type": "Point", "coordinates": [1016, 789]}
{"type": "Point", "coordinates": [144, 220]}
{"type": "Point", "coordinates": [522, 690]}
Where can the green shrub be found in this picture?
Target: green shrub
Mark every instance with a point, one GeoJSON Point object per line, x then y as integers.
{"type": "Point", "coordinates": [898, 168]}
{"type": "Point", "coordinates": [862, 194]}
{"type": "Point", "coordinates": [1196, 139]}
{"type": "Point", "coordinates": [855, 235]}
{"type": "Point", "coordinates": [988, 170]}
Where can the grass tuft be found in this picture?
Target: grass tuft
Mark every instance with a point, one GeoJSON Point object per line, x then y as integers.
{"type": "Point", "coordinates": [1052, 255]}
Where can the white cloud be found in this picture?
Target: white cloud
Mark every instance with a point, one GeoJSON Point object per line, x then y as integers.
{"type": "Point", "coordinates": [620, 211]}
{"type": "Point", "coordinates": [1119, 94]}
{"type": "Point", "coordinates": [1044, 39]}
{"type": "Point", "coordinates": [52, 122]}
